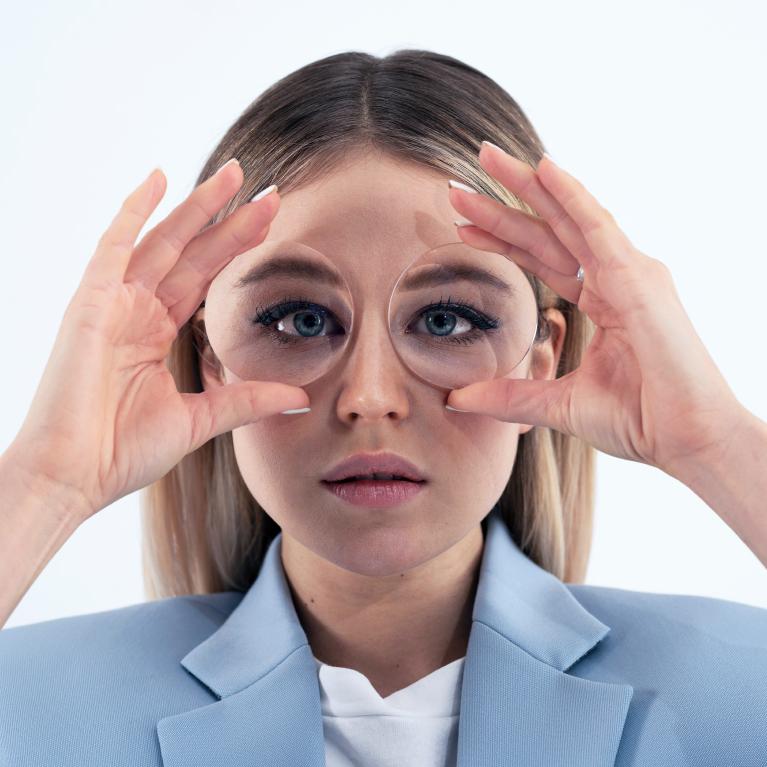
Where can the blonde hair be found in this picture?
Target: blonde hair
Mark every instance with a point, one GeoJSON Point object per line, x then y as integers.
{"type": "Point", "coordinates": [202, 529]}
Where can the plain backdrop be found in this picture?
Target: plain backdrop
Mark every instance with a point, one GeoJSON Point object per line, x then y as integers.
{"type": "Point", "coordinates": [658, 108]}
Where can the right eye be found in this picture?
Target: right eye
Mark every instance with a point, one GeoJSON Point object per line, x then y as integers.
{"type": "Point", "coordinates": [308, 319]}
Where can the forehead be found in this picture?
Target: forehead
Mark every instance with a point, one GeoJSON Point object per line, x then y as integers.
{"type": "Point", "coordinates": [374, 214]}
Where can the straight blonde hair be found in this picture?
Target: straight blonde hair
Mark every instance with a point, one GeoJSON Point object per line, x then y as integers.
{"type": "Point", "coordinates": [202, 529]}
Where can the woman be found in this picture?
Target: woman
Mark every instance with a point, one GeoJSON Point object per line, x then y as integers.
{"type": "Point", "coordinates": [448, 626]}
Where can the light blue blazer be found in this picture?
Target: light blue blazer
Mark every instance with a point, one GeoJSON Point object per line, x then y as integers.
{"type": "Point", "coordinates": [555, 674]}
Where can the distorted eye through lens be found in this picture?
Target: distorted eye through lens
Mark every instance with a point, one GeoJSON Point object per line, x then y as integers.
{"type": "Point", "coordinates": [455, 315]}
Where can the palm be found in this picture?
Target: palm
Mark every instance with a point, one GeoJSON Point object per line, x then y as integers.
{"type": "Point", "coordinates": [601, 399]}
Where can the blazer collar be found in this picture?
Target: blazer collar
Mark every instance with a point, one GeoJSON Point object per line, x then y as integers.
{"type": "Point", "coordinates": [517, 703]}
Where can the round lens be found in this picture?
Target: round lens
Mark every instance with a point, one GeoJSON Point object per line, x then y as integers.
{"type": "Point", "coordinates": [279, 312]}
{"type": "Point", "coordinates": [458, 315]}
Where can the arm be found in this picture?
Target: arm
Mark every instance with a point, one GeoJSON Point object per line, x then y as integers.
{"type": "Point", "coordinates": [733, 482]}
{"type": "Point", "coordinates": [36, 519]}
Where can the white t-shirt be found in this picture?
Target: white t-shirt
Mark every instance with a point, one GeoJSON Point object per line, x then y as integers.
{"type": "Point", "coordinates": [413, 727]}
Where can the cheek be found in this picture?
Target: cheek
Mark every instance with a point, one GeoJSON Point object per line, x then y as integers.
{"type": "Point", "coordinates": [268, 457]}
{"type": "Point", "coordinates": [485, 450]}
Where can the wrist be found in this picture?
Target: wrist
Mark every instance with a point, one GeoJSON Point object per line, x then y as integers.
{"type": "Point", "coordinates": [738, 431]}
{"type": "Point", "coordinates": [33, 488]}
{"type": "Point", "coordinates": [731, 478]}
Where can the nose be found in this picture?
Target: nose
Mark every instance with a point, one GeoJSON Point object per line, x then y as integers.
{"type": "Point", "coordinates": [373, 379]}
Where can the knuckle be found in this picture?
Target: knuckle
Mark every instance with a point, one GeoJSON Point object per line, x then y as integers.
{"type": "Point", "coordinates": [112, 242]}
{"type": "Point", "coordinates": [558, 218]}
{"type": "Point", "coordinates": [658, 269]}
{"type": "Point", "coordinates": [169, 238]}
{"type": "Point", "coordinates": [529, 185]}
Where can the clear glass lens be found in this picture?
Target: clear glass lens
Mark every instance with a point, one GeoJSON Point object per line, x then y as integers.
{"type": "Point", "coordinates": [283, 312]}
{"type": "Point", "coordinates": [458, 315]}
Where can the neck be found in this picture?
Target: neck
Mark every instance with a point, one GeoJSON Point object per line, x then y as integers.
{"type": "Point", "coordinates": [394, 629]}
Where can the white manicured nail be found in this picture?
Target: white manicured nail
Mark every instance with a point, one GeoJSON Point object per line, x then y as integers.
{"type": "Point", "coordinates": [264, 192]}
{"type": "Point", "coordinates": [456, 410]}
{"type": "Point", "coordinates": [228, 162]}
{"type": "Point", "coordinates": [297, 410]}
{"type": "Point", "coordinates": [459, 185]}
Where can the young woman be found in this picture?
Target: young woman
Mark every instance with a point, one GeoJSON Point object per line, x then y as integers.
{"type": "Point", "coordinates": [304, 617]}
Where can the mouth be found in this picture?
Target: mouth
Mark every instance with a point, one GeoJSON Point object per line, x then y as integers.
{"type": "Point", "coordinates": [375, 490]}
{"type": "Point", "coordinates": [377, 477]}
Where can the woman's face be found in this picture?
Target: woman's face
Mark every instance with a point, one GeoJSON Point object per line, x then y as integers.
{"type": "Point", "coordinates": [368, 218]}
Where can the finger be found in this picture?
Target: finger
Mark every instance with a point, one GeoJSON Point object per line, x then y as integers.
{"type": "Point", "coordinates": [566, 286]}
{"type": "Point", "coordinates": [516, 400]}
{"type": "Point", "coordinates": [514, 226]}
{"type": "Point", "coordinates": [115, 246]}
{"type": "Point", "coordinates": [607, 242]}
{"type": "Point", "coordinates": [223, 408]}
{"type": "Point", "coordinates": [185, 286]}
{"type": "Point", "coordinates": [162, 246]}
{"type": "Point", "coordinates": [522, 180]}
{"type": "Point", "coordinates": [180, 312]}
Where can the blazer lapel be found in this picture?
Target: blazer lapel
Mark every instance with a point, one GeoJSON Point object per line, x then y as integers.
{"type": "Point", "coordinates": [518, 706]}
{"type": "Point", "coordinates": [261, 667]}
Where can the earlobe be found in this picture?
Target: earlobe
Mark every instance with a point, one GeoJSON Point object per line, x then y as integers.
{"type": "Point", "coordinates": [547, 354]}
{"type": "Point", "coordinates": [211, 373]}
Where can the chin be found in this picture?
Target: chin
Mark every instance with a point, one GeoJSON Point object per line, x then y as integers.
{"type": "Point", "coordinates": [377, 542]}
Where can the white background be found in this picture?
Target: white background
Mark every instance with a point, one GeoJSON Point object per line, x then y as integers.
{"type": "Point", "coordinates": [658, 108]}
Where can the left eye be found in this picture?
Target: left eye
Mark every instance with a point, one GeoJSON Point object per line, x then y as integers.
{"type": "Point", "coordinates": [442, 323]}
{"type": "Point", "coordinates": [442, 318]}
{"type": "Point", "coordinates": [308, 319]}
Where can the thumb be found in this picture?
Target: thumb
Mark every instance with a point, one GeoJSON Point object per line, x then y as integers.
{"type": "Point", "coordinates": [516, 400]}
{"type": "Point", "coordinates": [223, 408]}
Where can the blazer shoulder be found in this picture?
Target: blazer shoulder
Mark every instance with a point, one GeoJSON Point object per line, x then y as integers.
{"type": "Point", "coordinates": [688, 615]}
{"type": "Point", "coordinates": [193, 614]}
{"type": "Point", "coordinates": [101, 681]}
{"type": "Point", "coordinates": [697, 665]}
{"type": "Point", "coordinates": [152, 635]}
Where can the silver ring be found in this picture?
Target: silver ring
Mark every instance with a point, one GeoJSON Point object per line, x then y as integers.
{"type": "Point", "coordinates": [579, 274]}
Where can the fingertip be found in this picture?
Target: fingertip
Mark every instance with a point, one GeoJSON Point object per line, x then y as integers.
{"type": "Point", "coordinates": [157, 181]}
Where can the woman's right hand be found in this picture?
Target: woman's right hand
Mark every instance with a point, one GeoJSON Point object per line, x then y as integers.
{"type": "Point", "coordinates": [107, 417]}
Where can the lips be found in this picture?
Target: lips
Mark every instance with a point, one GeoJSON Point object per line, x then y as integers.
{"type": "Point", "coordinates": [374, 466]}
{"type": "Point", "coordinates": [376, 475]}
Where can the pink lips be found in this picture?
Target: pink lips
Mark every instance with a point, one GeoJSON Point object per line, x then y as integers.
{"type": "Point", "coordinates": [370, 492]}
{"type": "Point", "coordinates": [369, 463]}
{"type": "Point", "coordinates": [375, 493]}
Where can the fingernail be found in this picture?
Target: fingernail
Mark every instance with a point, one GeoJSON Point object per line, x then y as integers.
{"type": "Point", "coordinates": [456, 410]}
{"type": "Point", "coordinates": [297, 410]}
{"type": "Point", "coordinates": [495, 146]}
{"type": "Point", "coordinates": [154, 177]}
{"type": "Point", "coordinates": [459, 185]}
{"type": "Point", "coordinates": [264, 192]}
{"type": "Point", "coordinates": [463, 223]}
{"type": "Point", "coordinates": [228, 162]}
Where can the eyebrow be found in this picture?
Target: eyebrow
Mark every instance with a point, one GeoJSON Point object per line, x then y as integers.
{"type": "Point", "coordinates": [290, 266]}
{"type": "Point", "coordinates": [439, 274]}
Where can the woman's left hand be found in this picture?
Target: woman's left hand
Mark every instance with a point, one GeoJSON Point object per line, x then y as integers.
{"type": "Point", "coordinates": [646, 389]}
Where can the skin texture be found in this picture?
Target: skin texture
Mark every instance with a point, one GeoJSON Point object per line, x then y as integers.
{"type": "Point", "coordinates": [387, 592]}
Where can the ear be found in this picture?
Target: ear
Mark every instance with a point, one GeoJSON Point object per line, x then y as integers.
{"type": "Point", "coordinates": [545, 355]}
{"type": "Point", "coordinates": [211, 370]}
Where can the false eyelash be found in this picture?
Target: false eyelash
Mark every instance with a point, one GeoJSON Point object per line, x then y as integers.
{"type": "Point", "coordinates": [287, 304]}
{"type": "Point", "coordinates": [483, 320]}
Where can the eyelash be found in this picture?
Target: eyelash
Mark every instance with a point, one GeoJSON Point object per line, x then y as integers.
{"type": "Point", "coordinates": [483, 323]}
